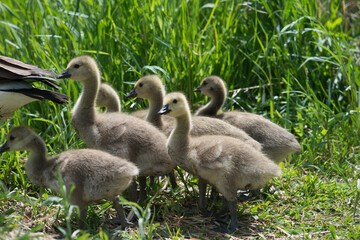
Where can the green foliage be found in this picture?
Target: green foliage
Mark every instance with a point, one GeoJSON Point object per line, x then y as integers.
{"type": "Point", "coordinates": [297, 59]}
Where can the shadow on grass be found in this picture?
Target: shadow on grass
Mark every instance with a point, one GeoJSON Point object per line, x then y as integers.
{"type": "Point", "coordinates": [200, 227]}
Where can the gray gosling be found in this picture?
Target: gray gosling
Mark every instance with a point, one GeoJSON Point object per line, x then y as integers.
{"type": "Point", "coordinates": [16, 89]}
{"type": "Point", "coordinates": [109, 98]}
{"type": "Point", "coordinates": [224, 162]}
{"type": "Point", "coordinates": [150, 87]}
{"type": "Point", "coordinates": [276, 141]}
{"type": "Point", "coordinates": [117, 133]}
{"type": "Point", "coordinates": [96, 175]}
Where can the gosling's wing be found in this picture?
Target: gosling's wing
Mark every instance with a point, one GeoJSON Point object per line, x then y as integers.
{"type": "Point", "coordinates": [210, 152]}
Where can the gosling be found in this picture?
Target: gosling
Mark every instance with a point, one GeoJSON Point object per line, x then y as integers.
{"type": "Point", "coordinates": [96, 175]}
{"type": "Point", "coordinates": [108, 97]}
{"type": "Point", "coordinates": [117, 133]}
{"type": "Point", "coordinates": [277, 142]}
{"type": "Point", "coordinates": [226, 163]}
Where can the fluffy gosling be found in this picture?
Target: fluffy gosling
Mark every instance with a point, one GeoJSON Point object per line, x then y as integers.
{"type": "Point", "coordinates": [117, 133]}
{"type": "Point", "coordinates": [277, 143]}
{"type": "Point", "coordinates": [226, 163]}
{"type": "Point", "coordinates": [96, 175]}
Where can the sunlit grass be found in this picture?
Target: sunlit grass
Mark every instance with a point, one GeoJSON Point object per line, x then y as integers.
{"type": "Point", "coordinates": [300, 58]}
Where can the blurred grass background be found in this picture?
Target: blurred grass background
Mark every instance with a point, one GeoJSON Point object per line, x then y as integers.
{"type": "Point", "coordinates": [299, 58]}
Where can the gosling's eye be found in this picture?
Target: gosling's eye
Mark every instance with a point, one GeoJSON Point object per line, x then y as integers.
{"type": "Point", "coordinates": [141, 84]}
{"type": "Point", "coordinates": [204, 83]}
{"type": "Point", "coordinates": [174, 101]}
{"type": "Point", "coordinates": [211, 88]}
{"type": "Point", "coordinates": [11, 138]}
{"type": "Point", "coordinates": [76, 66]}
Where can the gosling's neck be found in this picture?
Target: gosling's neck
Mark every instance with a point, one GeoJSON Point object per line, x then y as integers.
{"type": "Point", "coordinates": [215, 104]}
{"type": "Point", "coordinates": [180, 136]}
{"type": "Point", "coordinates": [37, 158]}
{"type": "Point", "coordinates": [152, 116]}
{"type": "Point", "coordinates": [114, 106]}
{"type": "Point", "coordinates": [84, 109]}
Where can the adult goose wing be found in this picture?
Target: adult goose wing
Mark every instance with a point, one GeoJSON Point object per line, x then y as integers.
{"type": "Point", "coordinates": [41, 94]}
{"type": "Point", "coordinates": [16, 89]}
{"type": "Point", "coordinates": [12, 69]}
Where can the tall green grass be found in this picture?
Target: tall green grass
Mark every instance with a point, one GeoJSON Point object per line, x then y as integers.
{"type": "Point", "coordinates": [299, 57]}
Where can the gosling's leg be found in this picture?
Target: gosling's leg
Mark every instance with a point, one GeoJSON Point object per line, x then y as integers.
{"type": "Point", "coordinates": [172, 179]}
{"type": "Point", "coordinates": [132, 190]}
{"type": "Point", "coordinates": [142, 185]}
{"type": "Point", "coordinates": [233, 214]}
{"type": "Point", "coordinates": [225, 207]}
{"type": "Point", "coordinates": [120, 212]}
{"type": "Point", "coordinates": [214, 195]}
{"type": "Point", "coordinates": [82, 218]}
{"type": "Point", "coordinates": [152, 182]}
{"type": "Point", "coordinates": [202, 200]}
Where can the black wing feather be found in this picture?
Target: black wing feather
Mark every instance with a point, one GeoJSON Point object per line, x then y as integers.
{"type": "Point", "coordinates": [42, 94]}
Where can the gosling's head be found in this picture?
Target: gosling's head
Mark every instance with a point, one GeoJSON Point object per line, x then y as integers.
{"type": "Point", "coordinates": [210, 86]}
{"type": "Point", "coordinates": [81, 68]}
{"type": "Point", "coordinates": [147, 87]}
{"type": "Point", "coordinates": [175, 105]}
{"type": "Point", "coordinates": [107, 96]}
{"type": "Point", "coordinates": [18, 139]}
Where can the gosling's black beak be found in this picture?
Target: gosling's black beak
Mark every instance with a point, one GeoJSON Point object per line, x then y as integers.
{"type": "Point", "coordinates": [131, 94]}
{"type": "Point", "coordinates": [198, 89]}
{"type": "Point", "coordinates": [164, 110]}
{"type": "Point", "coordinates": [65, 74]}
{"type": "Point", "coordinates": [4, 148]}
